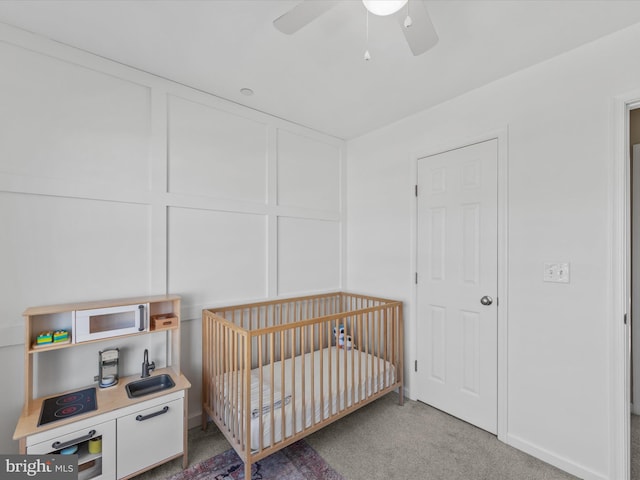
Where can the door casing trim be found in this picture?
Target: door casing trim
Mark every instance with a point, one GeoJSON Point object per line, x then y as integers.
{"type": "Point", "coordinates": [619, 294]}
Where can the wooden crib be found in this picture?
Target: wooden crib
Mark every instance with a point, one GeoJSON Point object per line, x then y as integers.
{"type": "Point", "coordinates": [273, 372]}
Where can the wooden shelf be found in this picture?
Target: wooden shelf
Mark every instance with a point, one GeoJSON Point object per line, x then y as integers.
{"type": "Point", "coordinates": [70, 307]}
{"type": "Point", "coordinates": [53, 346]}
{"type": "Point", "coordinates": [43, 347]}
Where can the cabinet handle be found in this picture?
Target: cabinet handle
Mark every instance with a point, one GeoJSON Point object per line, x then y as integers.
{"type": "Point", "coordinates": [141, 316]}
{"type": "Point", "coordinates": [60, 446]}
{"type": "Point", "coordinates": [142, 418]}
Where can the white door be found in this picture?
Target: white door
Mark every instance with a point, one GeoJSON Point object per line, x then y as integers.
{"type": "Point", "coordinates": [457, 283]}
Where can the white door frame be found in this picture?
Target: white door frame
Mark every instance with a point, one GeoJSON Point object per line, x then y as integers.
{"type": "Point", "coordinates": [619, 295]}
{"type": "Point", "coordinates": [503, 307]}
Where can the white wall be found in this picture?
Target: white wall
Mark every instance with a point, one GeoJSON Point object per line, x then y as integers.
{"type": "Point", "coordinates": [558, 119]}
{"type": "Point", "coordinates": [115, 183]}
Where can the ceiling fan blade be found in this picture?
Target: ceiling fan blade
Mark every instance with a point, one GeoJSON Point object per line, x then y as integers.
{"type": "Point", "coordinates": [421, 35]}
{"type": "Point", "coordinates": [302, 14]}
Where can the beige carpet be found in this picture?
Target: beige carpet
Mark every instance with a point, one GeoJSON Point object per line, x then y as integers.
{"type": "Point", "coordinates": [415, 441]}
{"type": "Point", "coordinates": [386, 441]}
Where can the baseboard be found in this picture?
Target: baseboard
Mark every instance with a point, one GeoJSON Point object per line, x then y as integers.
{"type": "Point", "coordinates": [552, 459]}
{"type": "Point", "coordinates": [407, 393]}
{"type": "Point", "coordinates": [194, 420]}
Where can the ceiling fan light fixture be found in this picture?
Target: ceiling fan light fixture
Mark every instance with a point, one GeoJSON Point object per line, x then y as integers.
{"type": "Point", "coordinates": [384, 7]}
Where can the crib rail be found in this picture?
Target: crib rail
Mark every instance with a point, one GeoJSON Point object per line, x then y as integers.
{"type": "Point", "coordinates": [275, 371]}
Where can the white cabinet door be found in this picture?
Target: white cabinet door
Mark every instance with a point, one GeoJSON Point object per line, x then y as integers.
{"type": "Point", "coordinates": [149, 436]}
{"type": "Point", "coordinates": [99, 465]}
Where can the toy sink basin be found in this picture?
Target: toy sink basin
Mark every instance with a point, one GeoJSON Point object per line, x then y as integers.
{"type": "Point", "coordinates": [149, 385]}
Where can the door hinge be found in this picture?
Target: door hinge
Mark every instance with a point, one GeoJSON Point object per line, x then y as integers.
{"type": "Point", "coordinates": [625, 318]}
{"type": "Point", "coordinates": [416, 189]}
{"type": "Point", "coordinates": [416, 278]}
{"type": "Point", "coordinates": [415, 365]}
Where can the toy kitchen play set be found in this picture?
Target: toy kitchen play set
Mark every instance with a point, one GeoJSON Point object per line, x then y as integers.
{"type": "Point", "coordinates": [108, 420]}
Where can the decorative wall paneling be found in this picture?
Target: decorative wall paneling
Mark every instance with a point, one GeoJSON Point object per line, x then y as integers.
{"type": "Point", "coordinates": [114, 182]}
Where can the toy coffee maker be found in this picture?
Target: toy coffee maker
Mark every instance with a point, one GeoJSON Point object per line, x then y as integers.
{"type": "Point", "coordinates": [108, 367]}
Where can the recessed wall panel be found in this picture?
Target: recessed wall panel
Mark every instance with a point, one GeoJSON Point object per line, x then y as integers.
{"type": "Point", "coordinates": [471, 174]}
{"type": "Point", "coordinates": [57, 250]}
{"type": "Point", "coordinates": [64, 121]}
{"type": "Point", "coordinates": [437, 248]}
{"type": "Point", "coordinates": [308, 173]}
{"type": "Point", "coordinates": [438, 180]}
{"type": "Point", "coordinates": [216, 153]}
{"type": "Point", "coordinates": [471, 243]}
{"type": "Point", "coordinates": [470, 352]}
{"type": "Point", "coordinates": [308, 255]}
{"type": "Point", "coordinates": [216, 256]}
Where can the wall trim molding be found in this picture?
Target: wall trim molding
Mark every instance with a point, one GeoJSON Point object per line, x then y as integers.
{"type": "Point", "coordinates": [553, 459]}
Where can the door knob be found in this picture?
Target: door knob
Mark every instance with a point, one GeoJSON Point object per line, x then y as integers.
{"type": "Point", "coordinates": [486, 300]}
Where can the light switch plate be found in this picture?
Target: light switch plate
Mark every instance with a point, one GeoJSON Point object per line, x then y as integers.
{"type": "Point", "coordinates": [556, 272]}
{"type": "Point", "coordinates": [550, 272]}
{"type": "Point", "coordinates": [563, 273]}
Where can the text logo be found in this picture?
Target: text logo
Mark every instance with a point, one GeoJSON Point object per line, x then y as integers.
{"type": "Point", "coordinates": [49, 467]}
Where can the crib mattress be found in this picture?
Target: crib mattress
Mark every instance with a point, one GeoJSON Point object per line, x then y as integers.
{"type": "Point", "coordinates": [324, 392]}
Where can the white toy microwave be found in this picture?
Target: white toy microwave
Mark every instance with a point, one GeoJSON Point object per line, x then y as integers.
{"type": "Point", "coordinates": [110, 322]}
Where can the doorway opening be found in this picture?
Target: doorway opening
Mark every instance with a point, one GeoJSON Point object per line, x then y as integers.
{"type": "Point", "coordinates": [634, 210]}
{"type": "Point", "coordinates": [620, 286]}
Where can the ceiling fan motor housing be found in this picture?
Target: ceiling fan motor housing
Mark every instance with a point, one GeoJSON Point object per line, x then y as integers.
{"type": "Point", "coordinates": [384, 7]}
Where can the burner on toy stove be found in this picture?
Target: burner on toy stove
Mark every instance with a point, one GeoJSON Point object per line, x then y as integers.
{"type": "Point", "coordinates": [69, 398]}
{"type": "Point", "coordinates": [67, 405]}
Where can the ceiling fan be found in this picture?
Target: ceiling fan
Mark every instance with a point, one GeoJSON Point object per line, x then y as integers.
{"type": "Point", "coordinates": [414, 19]}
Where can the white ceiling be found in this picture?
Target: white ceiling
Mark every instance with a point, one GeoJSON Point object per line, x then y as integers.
{"type": "Point", "coordinates": [317, 77]}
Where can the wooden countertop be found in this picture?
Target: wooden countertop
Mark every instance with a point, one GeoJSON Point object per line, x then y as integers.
{"type": "Point", "coordinates": [108, 400]}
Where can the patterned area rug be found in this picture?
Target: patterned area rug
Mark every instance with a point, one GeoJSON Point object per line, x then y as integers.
{"type": "Point", "coordinates": [296, 462]}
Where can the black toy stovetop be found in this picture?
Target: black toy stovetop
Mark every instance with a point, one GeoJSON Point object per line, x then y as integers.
{"type": "Point", "coordinates": [68, 405]}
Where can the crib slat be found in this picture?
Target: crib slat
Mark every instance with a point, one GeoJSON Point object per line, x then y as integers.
{"type": "Point", "coordinates": [331, 350]}
{"type": "Point", "coordinates": [235, 399]}
{"type": "Point", "coordinates": [361, 388]}
{"type": "Point", "coordinates": [370, 344]}
{"type": "Point", "coordinates": [322, 350]}
{"type": "Point", "coordinates": [303, 375]}
{"type": "Point", "coordinates": [293, 382]}
{"type": "Point", "coordinates": [271, 385]}
{"type": "Point", "coordinates": [282, 380]}
{"type": "Point", "coordinates": [260, 397]}
{"type": "Point", "coordinates": [343, 353]}
{"type": "Point", "coordinates": [353, 362]}
{"type": "Point", "coordinates": [313, 373]}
